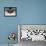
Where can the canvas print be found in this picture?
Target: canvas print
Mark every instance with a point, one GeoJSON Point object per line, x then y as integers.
{"type": "Point", "coordinates": [30, 35]}
{"type": "Point", "coordinates": [33, 32]}
{"type": "Point", "coordinates": [10, 11]}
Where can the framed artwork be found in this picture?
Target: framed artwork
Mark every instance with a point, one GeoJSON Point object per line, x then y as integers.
{"type": "Point", "coordinates": [10, 11]}
{"type": "Point", "coordinates": [32, 32]}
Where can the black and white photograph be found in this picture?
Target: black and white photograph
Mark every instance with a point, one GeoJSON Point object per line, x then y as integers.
{"type": "Point", "coordinates": [10, 11]}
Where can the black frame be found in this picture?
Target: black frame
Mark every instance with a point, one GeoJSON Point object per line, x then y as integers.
{"type": "Point", "coordinates": [10, 7]}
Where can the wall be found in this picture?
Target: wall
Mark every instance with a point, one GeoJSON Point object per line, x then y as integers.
{"type": "Point", "coordinates": [28, 12]}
